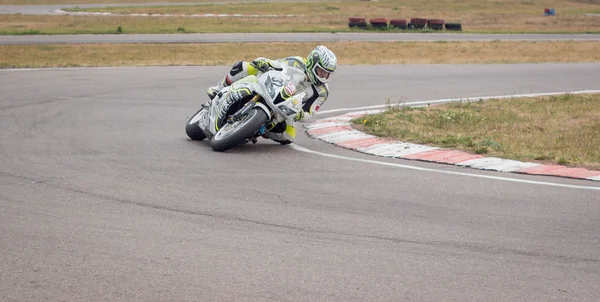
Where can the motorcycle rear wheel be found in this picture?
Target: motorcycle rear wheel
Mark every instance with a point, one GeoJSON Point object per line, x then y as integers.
{"type": "Point", "coordinates": [192, 129]}
{"type": "Point", "coordinates": [233, 134]}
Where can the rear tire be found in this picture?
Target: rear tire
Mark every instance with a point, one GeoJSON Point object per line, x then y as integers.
{"type": "Point", "coordinates": [192, 129]}
{"type": "Point", "coordinates": [230, 136]}
{"type": "Point", "coordinates": [285, 142]}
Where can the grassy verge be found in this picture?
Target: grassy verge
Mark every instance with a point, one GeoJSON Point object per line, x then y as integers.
{"type": "Point", "coordinates": [561, 129]}
{"type": "Point", "coordinates": [317, 16]}
{"type": "Point", "coordinates": [40, 56]}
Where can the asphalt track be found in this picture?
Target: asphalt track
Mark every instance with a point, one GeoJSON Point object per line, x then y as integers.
{"type": "Point", "coordinates": [103, 197]}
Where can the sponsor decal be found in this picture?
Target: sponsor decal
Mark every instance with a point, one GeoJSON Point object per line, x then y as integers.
{"type": "Point", "coordinates": [273, 83]}
{"type": "Point", "coordinates": [290, 88]}
{"type": "Point", "coordinates": [269, 86]}
{"type": "Point", "coordinates": [226, 104]}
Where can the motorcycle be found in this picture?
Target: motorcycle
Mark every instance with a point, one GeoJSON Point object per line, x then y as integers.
{"type": "Point", "coordinates": [273, 98]}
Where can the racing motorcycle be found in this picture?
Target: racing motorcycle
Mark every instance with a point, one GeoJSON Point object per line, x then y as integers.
{"type": "Point", "coordinates": [273, 98]}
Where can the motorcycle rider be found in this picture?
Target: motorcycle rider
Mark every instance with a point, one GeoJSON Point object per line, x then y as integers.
{"type": "Point", "coordinates": [319, 65]}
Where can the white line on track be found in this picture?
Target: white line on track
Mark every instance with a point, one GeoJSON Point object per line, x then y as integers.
{"type": "Point", "coordinates": [303, 149]}
{"type": "Point", "coordinates": [420, 103]}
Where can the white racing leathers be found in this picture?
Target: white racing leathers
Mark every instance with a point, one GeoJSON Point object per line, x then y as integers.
{"type": "Point", "coordinates": [283, 132]}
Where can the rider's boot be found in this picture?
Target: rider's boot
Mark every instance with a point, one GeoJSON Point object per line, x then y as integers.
{"type": "Point", "coordinates": [212, 91]}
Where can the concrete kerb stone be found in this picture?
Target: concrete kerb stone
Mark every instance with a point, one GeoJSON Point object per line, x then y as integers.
{"type": "Point", "coordinates": [496, 164]}
{"type": "Point", "coordinates": [338, 133]}
{"type": "Point", "coordinates": [395, 149]}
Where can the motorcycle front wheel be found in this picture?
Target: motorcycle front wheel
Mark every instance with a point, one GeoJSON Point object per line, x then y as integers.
{"type": "Point", "coordinates": [235, 133]}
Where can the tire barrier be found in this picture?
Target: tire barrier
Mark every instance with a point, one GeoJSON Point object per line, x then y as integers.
{"type": "Point", "coordinates": [435, 24]}
{"type": "Point", "coordinates": [453, 26]}
{"type": "Point", "coordinates": [359, 22]}
{"type": "Point", "coordinates": [415, 23]}
{"type": "Point", "coordinates": [398, 23]}
{"type": "Point", "coordinates": [379, 22]}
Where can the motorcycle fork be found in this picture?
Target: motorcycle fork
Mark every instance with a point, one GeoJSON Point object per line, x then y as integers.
{"type": "Point", "coordinates": [245, 109]}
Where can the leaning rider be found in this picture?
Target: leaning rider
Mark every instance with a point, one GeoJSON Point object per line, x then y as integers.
{"type": "Point", "coordinates": [318, 66]}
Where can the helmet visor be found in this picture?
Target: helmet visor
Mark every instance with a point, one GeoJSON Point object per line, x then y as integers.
{"type": "Point", "coordinates": [322, 74]}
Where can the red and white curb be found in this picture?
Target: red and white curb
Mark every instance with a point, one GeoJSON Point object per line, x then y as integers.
{"type": "Point", "coordinates": [168, 15]}
{"type": "Point", "coordinates": [338, 131]}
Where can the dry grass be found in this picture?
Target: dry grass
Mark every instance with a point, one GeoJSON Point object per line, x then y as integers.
{"type": "Point", "coordinates": [475, 15]}
{"type": "Point", "coordinates": [28, 24]}
{"type": "Point", "coordinates": [560, 129]}
{"type": "Point", "coordinates": [45, 2]}
{"type": "Point", "coordinates": [40, 56]}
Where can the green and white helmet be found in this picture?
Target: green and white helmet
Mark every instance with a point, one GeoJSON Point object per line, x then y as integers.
{"type": "Point", "coordinates": [320, 64]}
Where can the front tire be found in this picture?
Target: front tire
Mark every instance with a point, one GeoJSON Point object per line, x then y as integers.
{"type": "Point", "coordinates": [192, 129]}
{"type": "Point", "coordinates": [231, 135]}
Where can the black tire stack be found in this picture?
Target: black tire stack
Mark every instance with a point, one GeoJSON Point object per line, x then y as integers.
{"type": "Point", "coordinates": [453, 26]}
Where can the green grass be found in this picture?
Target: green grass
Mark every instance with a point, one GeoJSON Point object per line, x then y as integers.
{"type": "Point", "coordinates": [562, 129]}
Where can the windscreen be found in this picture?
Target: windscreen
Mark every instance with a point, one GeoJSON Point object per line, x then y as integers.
{"type": "Point", "coordinates": [273, 81]}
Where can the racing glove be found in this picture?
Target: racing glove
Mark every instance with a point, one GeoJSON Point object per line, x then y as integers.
{"type": "Point", "coordinates": [263, 64]}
